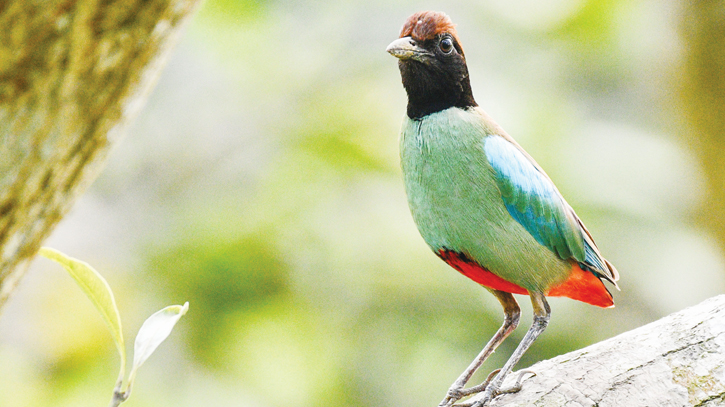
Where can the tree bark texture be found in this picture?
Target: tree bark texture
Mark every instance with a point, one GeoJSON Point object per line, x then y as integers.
{"type": "Point", "coordinates": [677, 361]}
{"type": "Point", "coordinates": [72, 73]}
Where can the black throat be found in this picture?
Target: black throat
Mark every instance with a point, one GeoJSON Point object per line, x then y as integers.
{"type": "Point", "coordinates": [433, 86]}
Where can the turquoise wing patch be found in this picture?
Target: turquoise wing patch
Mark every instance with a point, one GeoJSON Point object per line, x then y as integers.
{"type": "Point", "coordinates": [533, 201]}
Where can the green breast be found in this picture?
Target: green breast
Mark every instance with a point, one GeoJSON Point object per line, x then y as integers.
{"type": "Point", "coordinates": [456, 203]}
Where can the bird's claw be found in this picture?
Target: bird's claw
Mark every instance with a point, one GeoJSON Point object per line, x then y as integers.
{"type": "Point", "coordinates": [517, 386]}
{"type": "Point", "coordinates": [464, 404]}
{"type": "Point", "coordinates": [456, 393]}
{"type": "Point", "coordinates": [493, 391]}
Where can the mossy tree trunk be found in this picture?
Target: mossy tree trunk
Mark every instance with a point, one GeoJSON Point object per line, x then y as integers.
{"type": "Point", "coordinates": [72, 73]}
{"type": "Point", "coordinates": [703, 101]}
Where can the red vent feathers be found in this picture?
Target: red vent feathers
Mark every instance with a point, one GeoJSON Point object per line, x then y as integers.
{"type": "Point", "coordinates": [581, 285]}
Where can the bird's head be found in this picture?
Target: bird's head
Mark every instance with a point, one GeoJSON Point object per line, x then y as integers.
{"type": "Point", "coordinates": [432, 64]}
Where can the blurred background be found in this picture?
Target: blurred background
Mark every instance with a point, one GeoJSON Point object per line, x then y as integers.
{"type": "Point", "coordinates": [261, 184]}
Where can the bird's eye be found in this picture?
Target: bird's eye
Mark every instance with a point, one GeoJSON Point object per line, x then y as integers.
{"type": "Point", "coordinates": [446, 45]}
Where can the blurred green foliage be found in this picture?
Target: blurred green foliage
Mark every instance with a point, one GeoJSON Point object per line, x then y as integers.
{"type": "Point", "coordinates": [227, 280]}
{"type": "Point", "coordinates": [261, 184]}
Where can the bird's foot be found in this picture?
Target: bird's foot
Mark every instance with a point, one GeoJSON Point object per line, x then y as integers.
{"type": "Point", "coordinates": [517, 386]}
{"type": "Point", "coordinates": [493, 390]}
{"type": "Point", "coordinates": [456, 392]}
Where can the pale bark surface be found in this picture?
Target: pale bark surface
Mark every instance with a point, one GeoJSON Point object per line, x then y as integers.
{"type": "Point", "coordinates": [678, 360]}
{"type": "Point", "coordinates": [72, 72]}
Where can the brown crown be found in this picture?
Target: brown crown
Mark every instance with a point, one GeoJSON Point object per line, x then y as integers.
{"type": "Point", "coordinates": [426, 25]}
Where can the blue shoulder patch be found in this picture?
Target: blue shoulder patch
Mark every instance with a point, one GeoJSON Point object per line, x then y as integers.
{"type": "Point", "coordinates": [533, 201]}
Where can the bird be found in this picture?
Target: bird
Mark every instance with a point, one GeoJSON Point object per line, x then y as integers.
{"type": "Point", "coordinates": [482, 203]}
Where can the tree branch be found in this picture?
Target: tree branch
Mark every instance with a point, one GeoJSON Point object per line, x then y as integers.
{"type": "Point", "coordinates": [72, 73]}
{"type": "Point", "coordinates": [678, 360]}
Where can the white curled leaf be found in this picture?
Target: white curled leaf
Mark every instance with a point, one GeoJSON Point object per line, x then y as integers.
{"type": "Point", "coordinates": [154, 331]}
{"type": "Point", "coordinates": [97, 290]}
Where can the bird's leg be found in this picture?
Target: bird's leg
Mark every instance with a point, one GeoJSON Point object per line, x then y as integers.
{"type": "Point", "coordinates": [512, 312]}
{"type": "Point", "coordinates": [542, 312]}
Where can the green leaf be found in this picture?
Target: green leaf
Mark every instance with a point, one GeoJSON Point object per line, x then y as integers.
{"type": "Point", "coordinates": [97, 290]}
{"type": "Point", "coordinates": [154, 331]}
